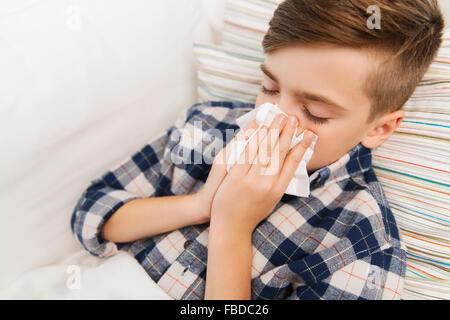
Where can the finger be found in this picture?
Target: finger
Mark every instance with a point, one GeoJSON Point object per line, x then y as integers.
{"type": "Point", "coordinates": [266, 149]}
{"type": "Point", "coordinates": [284, 143]}
{"type": "Point", "coordinates": [224, 155]}
{"type": "Point", "coordinates": [248, 156]}
{"type": "Point", "coordinates": [294, 158]}
{"type": "Point", "coordinates": [279, 150]}
{"type": "Point", "coordinates": [258, 143]}
{"type": "Point", "coordinates": [246, 134]}
{"type": "Point", "coordinates": [267, 144]}
{"type": "Point", "coordinates": [247, 131]}
{"type": "Point", "coordinates": [217, 172]}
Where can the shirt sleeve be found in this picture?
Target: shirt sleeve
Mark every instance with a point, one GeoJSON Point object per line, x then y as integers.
{"type": "Point", "coordinates": [144, 174]}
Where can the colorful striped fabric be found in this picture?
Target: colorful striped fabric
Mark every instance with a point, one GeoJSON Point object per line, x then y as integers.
{"type": "Point", "coordinates": [413, 166]}
{"type": "Point", "coordinates": [226, 75]}
{"type": "Point", "coordinates": [245, 23]}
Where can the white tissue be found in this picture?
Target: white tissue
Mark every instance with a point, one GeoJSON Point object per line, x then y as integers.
{"type": "Point", "coordinates": [264, 115]}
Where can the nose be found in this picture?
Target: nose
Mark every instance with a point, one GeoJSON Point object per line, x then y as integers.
{"type": "Point", "coordinates": [287, 104]}
{"type": "Point", "coordinates": [291, 108]}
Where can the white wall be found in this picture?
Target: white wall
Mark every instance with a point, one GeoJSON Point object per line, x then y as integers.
{"type": "Point", "coordinates": [445, 6]}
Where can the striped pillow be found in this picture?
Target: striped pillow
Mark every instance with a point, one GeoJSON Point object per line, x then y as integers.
{"type": "Point", "coordinates": [225, 74]}
{"type": "Point", "coordinates": [246, 23]}
{"type": "Point", "coordinates": [413, 166]}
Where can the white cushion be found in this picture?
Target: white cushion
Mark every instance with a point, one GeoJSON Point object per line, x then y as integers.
{"type": "Point", "coordinates": [83, 84]}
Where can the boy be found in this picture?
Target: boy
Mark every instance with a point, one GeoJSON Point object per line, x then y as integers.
{"type": "Point", "coordinates": [201, 232]}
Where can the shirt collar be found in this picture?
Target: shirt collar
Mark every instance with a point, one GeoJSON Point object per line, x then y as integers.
{"type": "Point", "coordinates": [356, 161]}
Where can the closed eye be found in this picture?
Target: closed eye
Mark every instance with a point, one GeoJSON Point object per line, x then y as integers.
{"type": "Point", "coordinates": [314, 119]}
{"type": "Point", "coordinates": [269, 92]}
{"type": "Point", "coordinates": [305, 110]}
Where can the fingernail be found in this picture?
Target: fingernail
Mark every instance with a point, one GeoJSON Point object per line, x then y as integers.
{"type": "Point", "coordinates": [310, 137]}
{"type": "Point", "coordinates": [292, 121]}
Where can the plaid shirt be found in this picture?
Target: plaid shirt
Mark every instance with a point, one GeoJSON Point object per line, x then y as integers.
{"type": "Point", "coordinates": [341, 242]}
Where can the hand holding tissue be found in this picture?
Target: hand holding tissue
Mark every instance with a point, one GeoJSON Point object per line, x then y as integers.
{"type": "Point", "coordinates": [264, 115]}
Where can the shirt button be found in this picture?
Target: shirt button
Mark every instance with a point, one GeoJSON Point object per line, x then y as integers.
{"type": "Point", "coordinates": [187, 243]}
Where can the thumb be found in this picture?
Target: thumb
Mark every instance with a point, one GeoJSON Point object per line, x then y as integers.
{"type": "Point", "coordinates": [294, 157]}
{"type": "Point", "coordinates": [217, 172]}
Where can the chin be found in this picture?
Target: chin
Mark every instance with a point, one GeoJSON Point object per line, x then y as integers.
{"type": "Point", "coordinates": [313, 166]}
{"type": "Point", "coordinates": [311, 169]}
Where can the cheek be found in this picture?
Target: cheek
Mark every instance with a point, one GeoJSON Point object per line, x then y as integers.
{"type": "Point", "coordinates": [263, 98]}
{"type": "Point", "coordinates": [331, 136]}
{"type": "Point", "coordinates": [334, 140]}
{"type": "Point", "coordinates": [334, 134]}
{"type": "Point", "coordinates": [329, 147]}
{"type": "Point", "coordinates": [259, 100]}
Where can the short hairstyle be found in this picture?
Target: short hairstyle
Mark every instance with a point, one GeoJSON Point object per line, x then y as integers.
{"type": "Point", "coordinates": [405, 45]}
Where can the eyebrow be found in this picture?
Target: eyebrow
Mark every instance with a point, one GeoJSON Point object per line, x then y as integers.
{"type": "Point", "coordinates": [267, 72]}
{"type": "Point", "coordinates": [299, 94]}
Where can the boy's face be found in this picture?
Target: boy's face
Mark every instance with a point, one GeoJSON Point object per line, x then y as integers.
{"type": "Point", "coordinates": [323, 88]}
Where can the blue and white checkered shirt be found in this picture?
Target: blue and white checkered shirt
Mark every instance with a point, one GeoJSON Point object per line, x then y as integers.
{"type": "Point", "coordinates": [341, 242]}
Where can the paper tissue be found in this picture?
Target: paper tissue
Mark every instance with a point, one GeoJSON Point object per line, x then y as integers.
{"type": "Point", "coordinates": [264, 115]}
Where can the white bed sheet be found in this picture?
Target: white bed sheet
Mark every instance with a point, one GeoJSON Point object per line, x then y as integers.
{"type": "Point", "coordinates": [83, 276]}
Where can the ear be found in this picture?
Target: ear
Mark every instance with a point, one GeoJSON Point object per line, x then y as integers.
{"type": "Point", "coordinates": [382, 128]}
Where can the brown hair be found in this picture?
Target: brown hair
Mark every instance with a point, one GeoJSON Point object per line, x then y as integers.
{"type": "Point", "coordinates": [408, 39]}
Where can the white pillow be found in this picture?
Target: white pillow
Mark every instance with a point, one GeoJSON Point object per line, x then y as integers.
{"type": "Point", "coordinates": [412, 166]}
{"type": "Point", "coordinates": [83, 84]}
